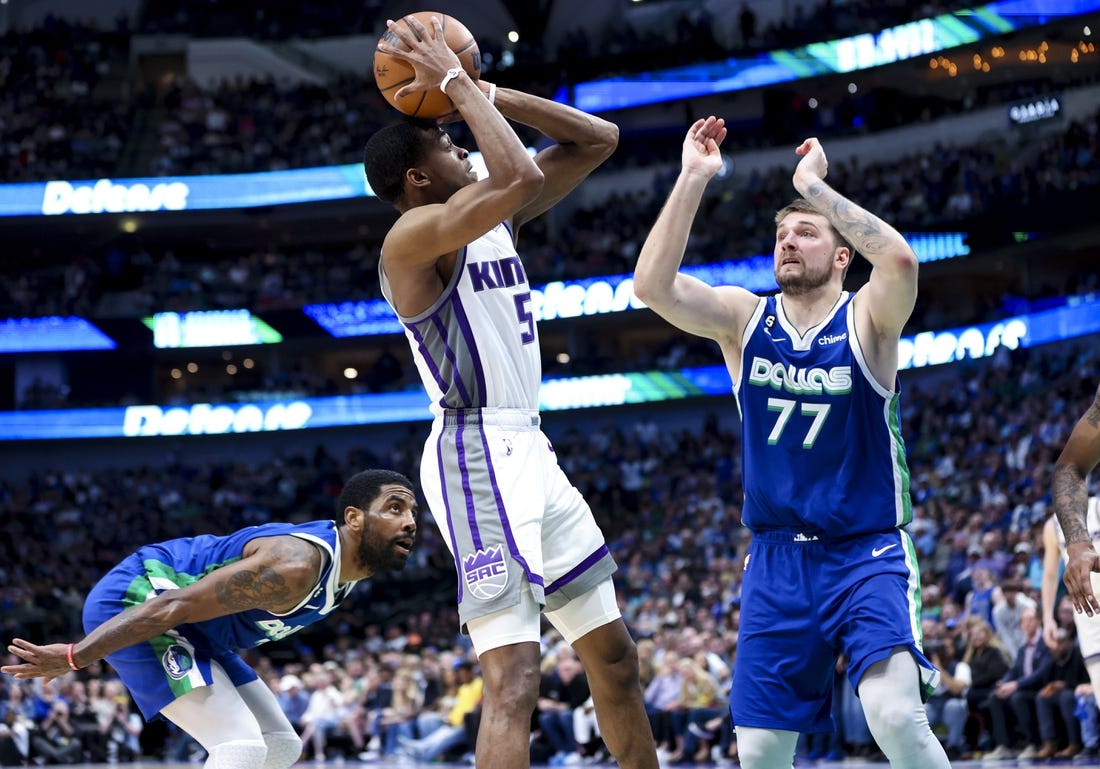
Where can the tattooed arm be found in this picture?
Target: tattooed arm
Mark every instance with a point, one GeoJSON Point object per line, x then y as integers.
{"type": "Point", "coordinates": [274, 574]}
{"type": "Point", "coordinates": [1070, 492]}
{"type": "Point", "coordinates": [883, 305]}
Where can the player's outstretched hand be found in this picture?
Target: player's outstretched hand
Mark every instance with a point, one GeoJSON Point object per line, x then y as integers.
{"type": "Point", "coordinates": [50, 661]}
{"type": "Point", "coordinates": [814, 165]}
{"type": "Point", "coordinates": [701, 146]}
{"type": "Point", "coordinates": [1082, 561]}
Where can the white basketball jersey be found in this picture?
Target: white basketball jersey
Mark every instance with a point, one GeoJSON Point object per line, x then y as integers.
{"type": "Point", "coordinates": [477, 346]}
{"type": "Point", "coordinates": [1092, 524]}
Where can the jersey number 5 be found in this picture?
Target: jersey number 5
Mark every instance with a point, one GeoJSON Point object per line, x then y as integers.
{"type": "Point", "coordinates": [525, 317]}
{"type": "Point", "coordinates": [786, 407]}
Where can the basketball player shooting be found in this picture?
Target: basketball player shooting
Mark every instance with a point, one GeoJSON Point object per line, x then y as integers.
{"type": "Point", "coordinates": [831, 568]}
{"type": "Point", "coordinates": [523, 539]}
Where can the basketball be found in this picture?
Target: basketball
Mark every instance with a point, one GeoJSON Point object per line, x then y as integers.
{"type": "Point", "coordinates": [392, 73]}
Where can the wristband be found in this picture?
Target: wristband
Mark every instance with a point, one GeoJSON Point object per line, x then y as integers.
{"type": "Point", "coordinates": [492, 93]}
{"type": "Point", "coordinates": [69, 657]}
{"type": "Point", "coordinates": [452, 73]}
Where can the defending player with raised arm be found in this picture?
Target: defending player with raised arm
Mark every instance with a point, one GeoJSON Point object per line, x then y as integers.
{"type": "Point", "coordinates": [1079, 457]}
{"type": "Point", "coordinates": [808, 267]}
{"type": "Point", "coordinates": [170, 617]}
{"type": "Point", "coordinates": [814, 369]}
{"type": "Point", "coordinates": [524, 540]}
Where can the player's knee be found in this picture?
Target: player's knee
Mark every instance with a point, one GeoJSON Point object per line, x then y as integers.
{"type": "Point", "coordinates": [283, 749]}
{"type": "Point", "coordinates": [238, 754]}
{"type": "Point", "coordinates": [764, 748]}
{"type": "Point", "coordinates": [621, 668]}
{"type": "Point", "coordinates": [897, 723]}
{"type": "Point", "coordinates": [514, 692]}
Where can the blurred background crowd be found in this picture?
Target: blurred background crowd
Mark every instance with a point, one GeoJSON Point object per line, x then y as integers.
{"type": "Point", "coordinates": [390, 676]}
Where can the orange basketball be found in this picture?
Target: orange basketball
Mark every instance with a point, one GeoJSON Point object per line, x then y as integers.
{"type": "Point", "coordinates": [392, 73]}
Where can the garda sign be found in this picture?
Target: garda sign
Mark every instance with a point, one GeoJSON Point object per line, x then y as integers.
{"type": "Point", "coordinates": [105, 196]}
{"type": "Point", "coordinates": [1035, 110]}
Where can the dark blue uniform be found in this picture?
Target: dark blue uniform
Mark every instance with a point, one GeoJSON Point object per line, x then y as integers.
{"type": "Point", "coordinates": [161, 669]}
{"type": "Point", "coordinates": [826, 493]}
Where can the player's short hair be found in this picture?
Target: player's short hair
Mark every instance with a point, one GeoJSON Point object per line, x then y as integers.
{"type": "Point", "coordinates": [363, 488]}
{"type": "Point", "coordinates": [393, 150]}
{"type": "Point", "coordinates": [802, 206]}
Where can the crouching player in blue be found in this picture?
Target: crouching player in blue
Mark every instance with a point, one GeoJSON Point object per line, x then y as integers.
{"type": "Point", "coordinates": [169, 617]}
{"type": "Point", "coordinates": [831, 569]}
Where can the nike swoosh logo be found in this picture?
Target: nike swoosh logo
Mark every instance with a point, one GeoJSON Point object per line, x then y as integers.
{"type": "Point", "coordinates": [880, 550]}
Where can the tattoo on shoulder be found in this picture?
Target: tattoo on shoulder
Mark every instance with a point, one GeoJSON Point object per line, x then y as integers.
{"type": "Point", "coordinates": [265, 586]}
{"type": "Point", "coordinates": [862, 229]}
{"type": "Point", "coordinates": [251, 589]}
{"type": "Point", "coordinates": [1092, 415]}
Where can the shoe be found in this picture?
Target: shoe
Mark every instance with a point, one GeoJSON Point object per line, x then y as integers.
{"type": "Point", "coordinates": [1047, 751]}
{"type": "Point", "coordinates": [1028, 753]}
{"type": "Point", "coordinates": [1088, 755]}
{"type": "Point", "coordinates": [368, 755]}
{"type": "Point", "coordinates": [701, 733]}
{"type": "Point", "coordinates": [1001, 753]}
{"type": "Point", "coordinates": [1070, 750]}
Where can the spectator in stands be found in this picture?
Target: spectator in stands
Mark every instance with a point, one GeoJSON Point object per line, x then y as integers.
{"type": "Point", "coordinates": [293, 700]}
{"type": "Point", "coordinates": [947, 704]}
{"type": "Point", "coordinates": [1010, 604]}
{"type": "Point", "coordinates": [1056, 703]}
{"type": "Point", "coordinates": [1012, 704]}
{"type": "Point", "coordinates": [55, 739]}
{"type": "Point", "coordinates": [322, 717]}
{"type": "Point", "coordinates": [562, 691]}
{"type": "Point", "coordinates": [440, 736]}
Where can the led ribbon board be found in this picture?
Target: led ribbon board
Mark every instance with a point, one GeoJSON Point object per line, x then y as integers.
{"type": "Point", "coordinates": [193, 193]}
{"type": "Point", "coordinates": [209, 328]}
{"type": "Point", "coordinates": [52, 334]}
{"type": "Point", "coordinates": [851, 54]}
{"type": "Point", "coordinates": [608, 293]}
{"type": "Point", "coordinates": [1076, 318]}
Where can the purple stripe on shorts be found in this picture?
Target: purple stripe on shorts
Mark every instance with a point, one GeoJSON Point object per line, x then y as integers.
{"type": "Point", "coordinates": [471, 345]}
{"type": "Point", "coordinates": [471, 514]}
{"type": "Point", "coordinates": [446, 502]}
{"type": "Point", "coordinates": [502, 513]}
{"type": "Point", "coordinates": [579, 569]}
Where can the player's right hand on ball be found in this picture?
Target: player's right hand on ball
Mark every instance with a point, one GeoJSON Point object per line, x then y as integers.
{"type": "Point", "coordinates": [425, 50]}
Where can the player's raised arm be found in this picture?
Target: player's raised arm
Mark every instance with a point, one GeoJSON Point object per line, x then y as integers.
{"type": "Point", "coordinates": [457, 217]}
{"type": "Point", "coordinates": [582, 142]}
{"type": "Point", "coordinates": [1079, 457]}
{"type": "Point", "coordinates": [891, 291]}
{"type": "Point", "coordinates": [685, 301]}
{"type": "Point", "coordinates": [275, 574]}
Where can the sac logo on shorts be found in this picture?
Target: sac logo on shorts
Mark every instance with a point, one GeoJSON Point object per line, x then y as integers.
{"type": "Point", "coordinates": [177, 662]}
{"type": "Point", "coordinates": [486, 573]}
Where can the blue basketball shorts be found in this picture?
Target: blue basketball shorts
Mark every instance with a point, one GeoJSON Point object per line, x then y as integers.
{"type": "Point", "coordinates": [159, 670]}
{"type": "Point", "coordinates": [805, 601]}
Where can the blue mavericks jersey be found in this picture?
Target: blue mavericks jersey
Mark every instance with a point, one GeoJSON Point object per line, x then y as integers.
{"type": "Point", "coordinates": [821, 439]}
{"type": "Point", "coordinates": [177, 563]}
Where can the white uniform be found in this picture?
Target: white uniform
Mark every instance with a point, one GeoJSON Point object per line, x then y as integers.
{"type": "Point", "coordinates": [510, 517]}
{"type": "Point", "coordinates": [1088, 628]}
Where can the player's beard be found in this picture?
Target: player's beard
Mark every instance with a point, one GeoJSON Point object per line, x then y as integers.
{"type": "Point", "coordinates": [805, 282]}
{"type": "Point", "coordinates": [377, 555]}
